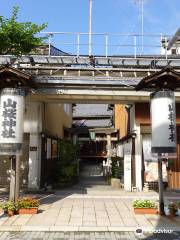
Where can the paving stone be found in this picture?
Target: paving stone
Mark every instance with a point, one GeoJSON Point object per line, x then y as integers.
{"type": "Point", "coordinates": [9, 221]}
{"type": "Point", "coordinates": [130, 222]}
{"type": "Point", "coordinates": [61, 223]}
{"type": "Point", "coordinates": [103, 222]}
{"type": "Point", "coordinates": [117, 223]}
{"type": "Point", "coordinates": [75, 222]}
{"type": "Point", "coordinates": [89, 210]}
{"type": "Point", "coordinates": [21, 221]}
{"type": "Point", "coordinates": [89, 223]}
{"type": "Point", "coordinates": [142, 221]}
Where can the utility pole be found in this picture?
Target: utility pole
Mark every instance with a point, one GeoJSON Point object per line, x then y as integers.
{"type": "Point", "coordinates": [14, 178]}
{"type": "Point", "coordinates": [161, 187]}
{"type": "Point", "coordinates": [90, 27]}
{"type": "Point", "coordinates": [142, 26]}
{"type": "Point", "coordinates": [141, 2]}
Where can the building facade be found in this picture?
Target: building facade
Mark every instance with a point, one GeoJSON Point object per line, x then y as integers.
{"type": "Point", "coordinates": [42, 122]}
{"type": "Point", "coordinates": [135, 129]}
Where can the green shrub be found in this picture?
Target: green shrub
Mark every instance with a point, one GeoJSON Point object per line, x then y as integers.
{"type": "Point", "coordinates": [178, 204]}
{"type": "Point", "coordinates": [67, 163]}
{"type": "Point", "coordinates": [172, 206]}
{"type": "Point", "coordinates": [116, 167]}
{"type": "Point", "coordinates": [9, 205]}
{"type": "Point", "coordinates": [27, 202]}
{"type": "Point", "coordinates": [108, 180]}
{"type": "Point", "coordinates": [144, 203]}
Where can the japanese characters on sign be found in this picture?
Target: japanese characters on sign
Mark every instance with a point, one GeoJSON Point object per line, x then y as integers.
{"type": "Point", "coordinates": [127, 165]}
{"type": "Point", "coordinates": [11, 121]}
{"type": "Point", "coordinates": [171, 117]}
{"type": "Point", "coordinates": [151, 162]}
{"type": "Point", "coordinates": [9, 118]}
{"type": "Point", "coordinates": [163, 120]}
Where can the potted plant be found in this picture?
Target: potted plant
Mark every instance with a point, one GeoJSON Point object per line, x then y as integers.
{"type": "Point", "coordinates": [145, 206]}
{"type": "Point", "coordinates": [27, 205]}
{"type": "Point", "coordinates": [1, 207]}
{"type": "Point", "coordinates": [9, 207]}
{"type": "Point", "coordinates": [172, 209]}
{"type": "Point", "coordinates": [166, 210]}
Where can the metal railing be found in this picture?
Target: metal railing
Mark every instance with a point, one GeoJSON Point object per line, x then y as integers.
{"type": "Point", "coordinates": [106, 44]}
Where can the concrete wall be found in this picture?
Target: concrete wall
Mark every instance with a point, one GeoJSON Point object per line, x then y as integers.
{"type": "Point", "coordinates": [56, 117]}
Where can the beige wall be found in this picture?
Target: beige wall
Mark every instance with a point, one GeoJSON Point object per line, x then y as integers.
{"type": "Point", "coordinates": [121, 119]}
{"type": "Point", "coordinates": [56, 117]}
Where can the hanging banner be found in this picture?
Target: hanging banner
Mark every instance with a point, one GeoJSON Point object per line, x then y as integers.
{"type": "Point", "coordinates": [48, 155]}
{"type": "Point", "coordinates": [151, 162]}
{"type": "Point", "coordinates": [11, 121]}
{"type": "Point", "coordinates": [163, 120]}
{"type": "Point", "coordinates": [120, 150]}
{"type": "Point", "coordinates": [127, 165]}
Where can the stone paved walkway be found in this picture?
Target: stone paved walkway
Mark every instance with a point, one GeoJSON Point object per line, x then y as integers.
{"type": "Point", "coordinates": [87, 208]}
{"type": "Point", "coordinates": [85, 214]}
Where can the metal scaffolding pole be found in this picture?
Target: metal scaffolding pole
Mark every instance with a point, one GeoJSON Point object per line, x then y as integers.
{"type": "Point", "coordinates": [90, 27]}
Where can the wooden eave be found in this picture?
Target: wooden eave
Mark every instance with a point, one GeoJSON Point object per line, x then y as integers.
{"type": "Point", "coordinates": [167, 78]}
{"type": "Point", "coordinates": [12, 77]}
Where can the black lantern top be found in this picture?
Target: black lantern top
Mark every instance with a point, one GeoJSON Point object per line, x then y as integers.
{"type": "Point", "coordinates": [14, 78]}
{"type": "Point", "coordinates": [167, 78]}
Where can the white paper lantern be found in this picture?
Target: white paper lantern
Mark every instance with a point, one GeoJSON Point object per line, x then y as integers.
{"type": "Point", "coordinates": [163, 120]}
{"type": "Point", "coordinates": [12, 104]}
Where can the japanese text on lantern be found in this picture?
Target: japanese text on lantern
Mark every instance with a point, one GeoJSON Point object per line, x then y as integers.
{"type": "Point", "coordinates": [172, 124]}
{"type": "Point", "coordinates": [9, 118]}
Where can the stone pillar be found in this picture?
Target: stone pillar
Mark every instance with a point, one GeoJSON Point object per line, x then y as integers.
{"type": "Point", "coordinates": [127, 165]}
{"type": "Point", "coordinates": [75, 137]}
{"type": "Point", "coordinates": [34, 161]}
{"type": "Point", "coordinates": [138, 158]}
{"type": "Point", "coordinates": [108, 154]}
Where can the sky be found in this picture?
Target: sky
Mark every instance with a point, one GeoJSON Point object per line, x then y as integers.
{"type": "Point", "coordinates": [109, 16]}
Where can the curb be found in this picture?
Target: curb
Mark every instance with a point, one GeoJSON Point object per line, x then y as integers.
{"type": "Point", "coordinates": [82, 229]}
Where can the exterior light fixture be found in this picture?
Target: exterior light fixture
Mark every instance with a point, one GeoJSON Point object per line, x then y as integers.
{"type": "Point", "coordinates": [92, 135]}
{"type": "Point", "coordinates": [12, 106]}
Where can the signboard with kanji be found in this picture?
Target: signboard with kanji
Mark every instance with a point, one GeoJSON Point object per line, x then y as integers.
{"type": "Point", "coordinates": [151, 162]}
{"type": "Point", "coordinates": [127, 165]}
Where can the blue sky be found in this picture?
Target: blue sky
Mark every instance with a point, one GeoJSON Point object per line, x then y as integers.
{"type": "Point", "coordinates": [113, 16]}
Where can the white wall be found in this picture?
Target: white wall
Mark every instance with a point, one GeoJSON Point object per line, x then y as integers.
{"type": "Point", "coordinates": [33, 125]}
{"type": "Point", "coordinates": [33, 117]}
